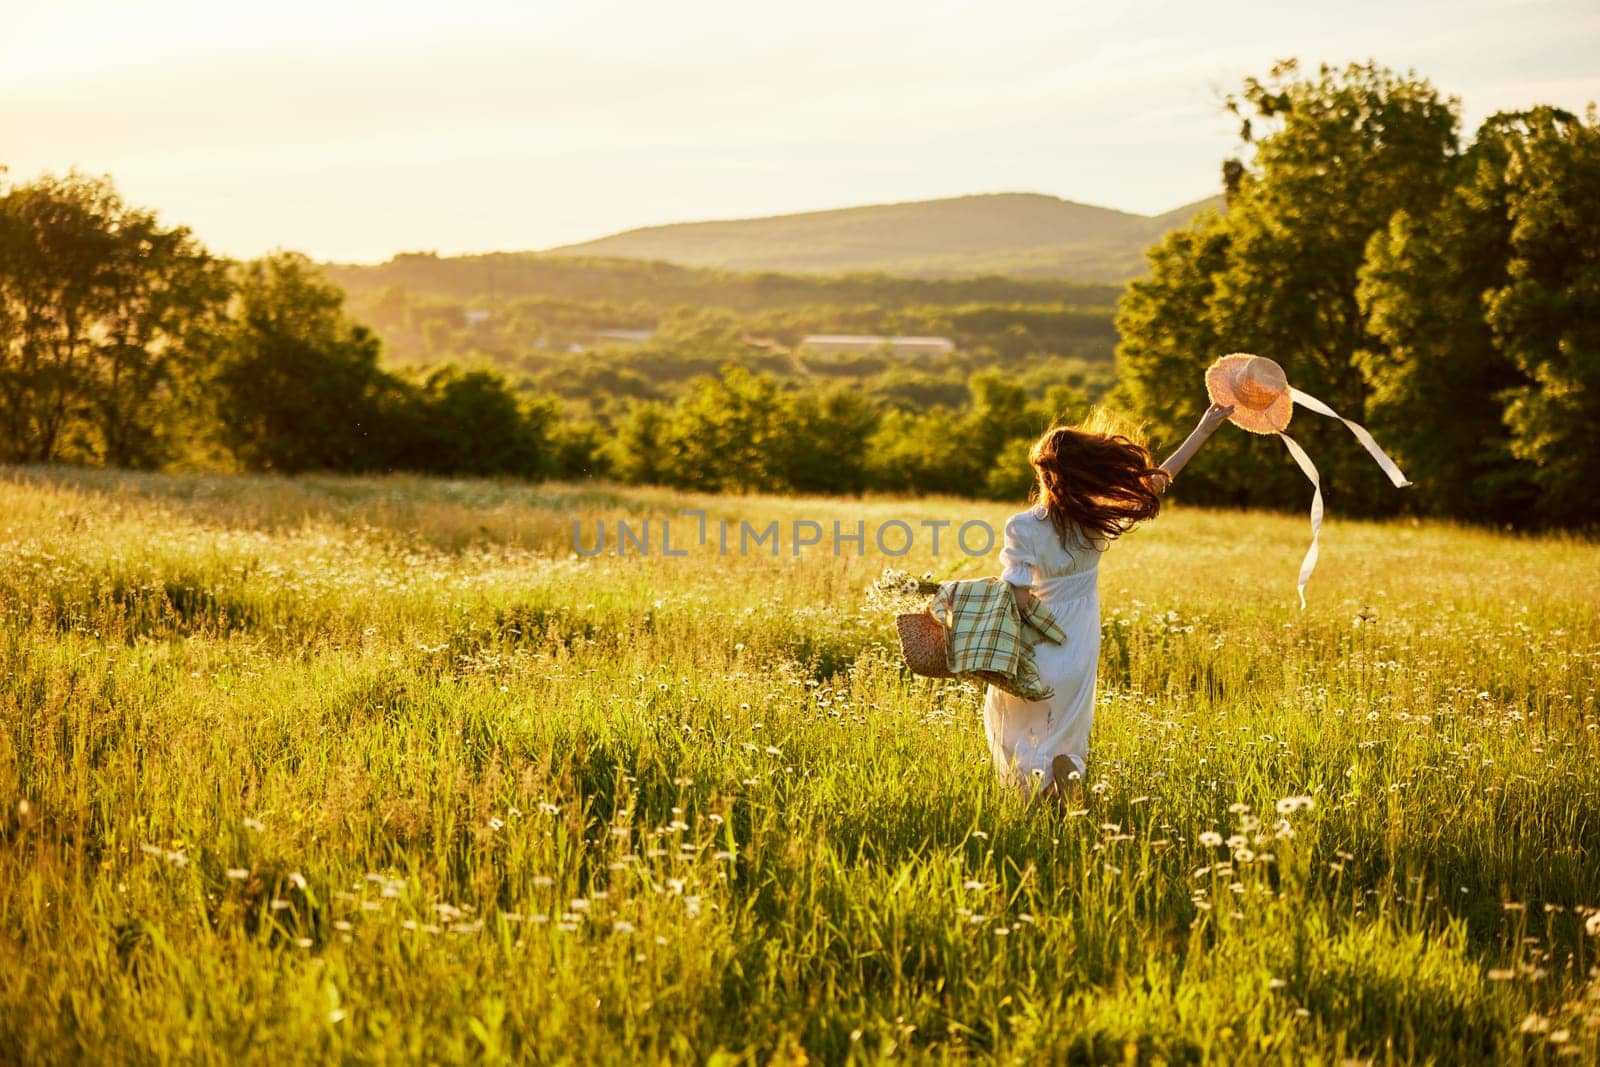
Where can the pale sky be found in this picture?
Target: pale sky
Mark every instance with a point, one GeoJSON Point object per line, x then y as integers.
{"type": "Point", "coordinates": [353, 129]}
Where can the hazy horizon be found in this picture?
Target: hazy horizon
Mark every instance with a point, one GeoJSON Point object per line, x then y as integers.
{"type": "Point", "coordinates": [354, 131]}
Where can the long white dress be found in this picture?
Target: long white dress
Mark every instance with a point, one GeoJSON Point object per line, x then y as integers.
{"type": "Point", "coordinates": [1026, 735]}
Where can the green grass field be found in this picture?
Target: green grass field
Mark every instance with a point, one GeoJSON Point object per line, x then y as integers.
{"type": "Point", "coordinates": [381, 771]}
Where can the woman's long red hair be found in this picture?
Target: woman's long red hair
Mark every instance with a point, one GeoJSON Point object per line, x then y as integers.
{"type": "Point", "coordinates": [1096, 482]}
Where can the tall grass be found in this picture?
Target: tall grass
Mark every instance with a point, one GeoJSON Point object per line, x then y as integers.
{"type": "Point", "coordinates": [381, 770]}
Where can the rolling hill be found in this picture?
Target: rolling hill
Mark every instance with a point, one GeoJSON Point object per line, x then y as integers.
{"type": "Point", "coordinates": [1024, 235]}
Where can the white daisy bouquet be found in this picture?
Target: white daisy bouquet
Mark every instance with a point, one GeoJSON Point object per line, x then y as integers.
{"type": "Point", "coordinates": [899, 591]}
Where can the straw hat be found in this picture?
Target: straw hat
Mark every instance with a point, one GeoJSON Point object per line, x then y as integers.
{"type": "Point", "coordinates": [1257, 389]}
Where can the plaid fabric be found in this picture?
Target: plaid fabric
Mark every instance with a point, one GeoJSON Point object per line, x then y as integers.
{"type": "Point", "coordinates": [988, 637]}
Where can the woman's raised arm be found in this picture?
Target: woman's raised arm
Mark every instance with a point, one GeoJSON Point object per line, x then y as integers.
{"type": "Point", "coordinates": [1215, 416]}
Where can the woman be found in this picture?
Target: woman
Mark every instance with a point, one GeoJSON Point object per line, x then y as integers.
{"type": "Point", "coordinates": [1092, 488]}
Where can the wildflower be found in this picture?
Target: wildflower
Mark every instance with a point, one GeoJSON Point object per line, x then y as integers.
{"type": "Point", "coordinates": [1290, 805]}
{"type": "Point", "coordinates": [1592, 924]}
{"type": "Point", "coordinates": [238, 874]}
{"type": "Point", "coordinates": [622, 926]}
{"type": "Point", "coordinates": [970, 884]}
{"type": "Point", "coordinates": [1244, 855]}
{"type": "Point", "coordinates": [1237, 841]}
{"type": "Point", "coordinates": [1210, 839]}
{"type": "Point", "coordinates": [495, 824]}
{"type": "Point", "coordinates": [177, 859]}
{"type": "Point", "coordinates": [254, 824]}
{"type": "Point", "coordinates": [1276, 983]}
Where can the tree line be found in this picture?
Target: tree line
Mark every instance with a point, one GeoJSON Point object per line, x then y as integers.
{"type": "Point", "coordinates": [125, 343]}
{"type": "Point", "coordinates": [530, 334]}
{"type": "Point", "coordinates": [1445, 294]}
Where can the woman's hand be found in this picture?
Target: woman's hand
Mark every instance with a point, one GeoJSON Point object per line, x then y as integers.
{"type": "Point", "coordinates": [1215, 416]}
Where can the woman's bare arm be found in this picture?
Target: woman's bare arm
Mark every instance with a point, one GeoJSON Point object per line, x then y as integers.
{"type": "Point", "coordinates": [1215, 416]}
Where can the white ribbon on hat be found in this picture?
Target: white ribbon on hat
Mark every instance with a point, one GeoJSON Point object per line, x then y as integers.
{"type": "Point", "coordinates": [1306, 400]}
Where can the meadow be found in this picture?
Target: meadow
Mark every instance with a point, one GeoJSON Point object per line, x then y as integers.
{"type": "Point", "coordinates": [381, 770]}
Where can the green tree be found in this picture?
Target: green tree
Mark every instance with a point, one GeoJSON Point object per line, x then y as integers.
{"type": "Point", "coordinates": [726, 431]}
{"type": "Point", "coordinates": [823, 445]}
{"type": "Point", "coordinates": [1335, 156]}
{"type": "Point", "coordinates": [298, 386]}
{"type": "Point", "coordinates": [57, 239]}
{"type": "Point", "coordinates": [924, 452]}
{"type": "Point", "coordinates": [1438, 380]}
{"type": "Point", "coordinates": [105, 316]}
{"type": "Point", "coordinates": [999, 411]}
{"type": "Point", "coordinates": [163, 316]}
{"type": "Point", "coordinates": [639, 452]}
{"type": "Point", "coordinates": [471, 422]}
{"type": "Point", "coordinates": [577, 448]}
{"type": "Point", "coordinates": [1169, 336]}
{"type": "Point", "coordinates": [1546, 318]}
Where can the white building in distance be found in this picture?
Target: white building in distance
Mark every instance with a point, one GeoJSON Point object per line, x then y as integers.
{"type": "Point", "coordinates": [835, 343]}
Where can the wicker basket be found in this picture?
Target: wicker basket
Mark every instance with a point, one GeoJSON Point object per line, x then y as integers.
{"type": "Point", "coordinates": [922, 644]}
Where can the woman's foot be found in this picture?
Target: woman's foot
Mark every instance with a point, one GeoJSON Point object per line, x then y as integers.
{"type": "Point", "coordinates": [1064, 778]}
{"type": "Point", "coordinates": [1063, 787]}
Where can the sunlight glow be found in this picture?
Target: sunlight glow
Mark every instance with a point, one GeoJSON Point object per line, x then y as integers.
{"type": "Point", "coordinates": [356, 129]}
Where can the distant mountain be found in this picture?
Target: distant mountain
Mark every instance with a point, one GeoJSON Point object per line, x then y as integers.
{"type": "Point", "coordinates": [1024, 235]}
